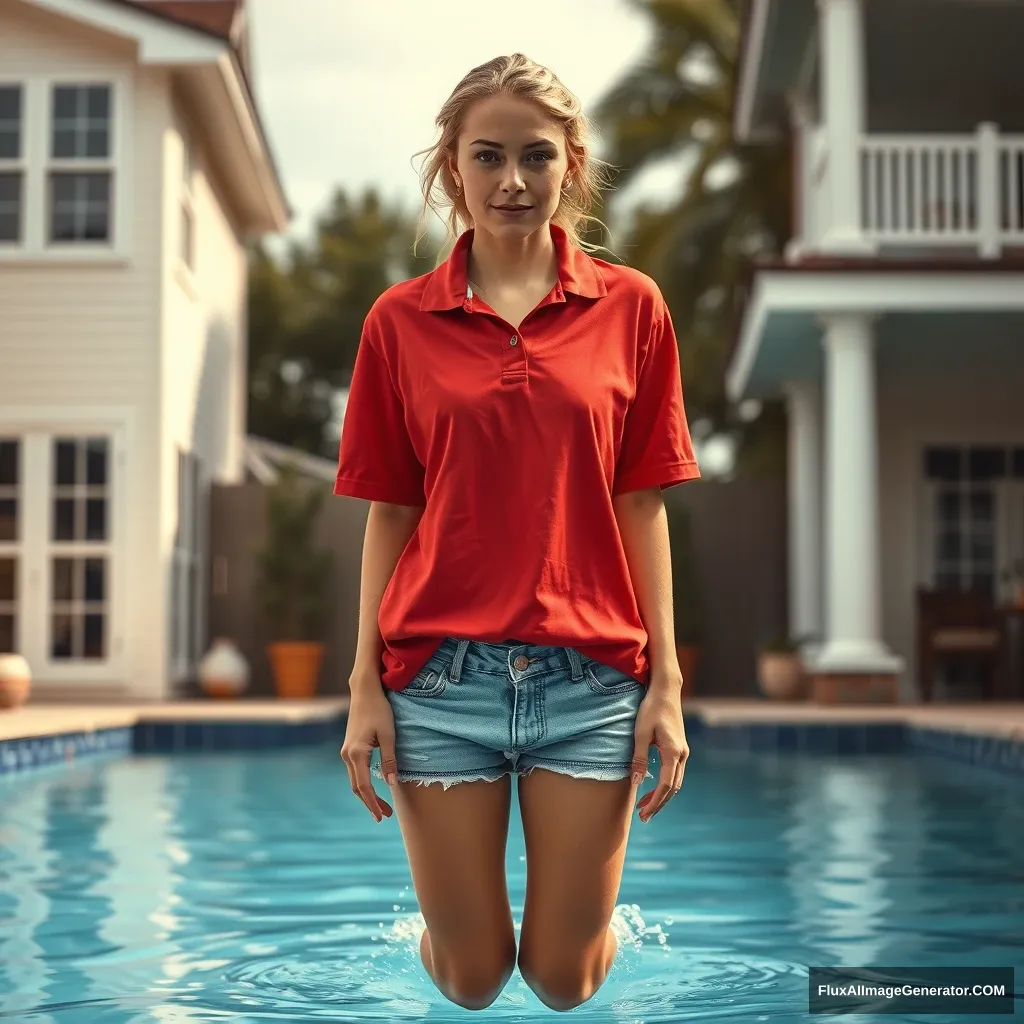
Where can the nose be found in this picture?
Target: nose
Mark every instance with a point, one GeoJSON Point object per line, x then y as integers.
{"type": "Point", "coordinates": [511, 179]}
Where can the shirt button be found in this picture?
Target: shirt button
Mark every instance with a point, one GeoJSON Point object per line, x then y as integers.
{"type": "Point", "coordinates": [514, 340]}
{"type": "Point", "coordinates": [522, 663]}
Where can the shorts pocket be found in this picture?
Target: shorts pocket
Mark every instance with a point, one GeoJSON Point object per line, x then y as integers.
{"type": "Point", "coordinates": [603, 678]}
{"type": "Point", "coordinates": [430, 681]}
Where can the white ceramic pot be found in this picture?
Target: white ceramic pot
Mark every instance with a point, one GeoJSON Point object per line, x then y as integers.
{"type": "Point", "coordinates": [223, 671]}
{"type": "Point", "coordinates": [781, 675]}
{"type": "Point", "coordinates": [15, 680]}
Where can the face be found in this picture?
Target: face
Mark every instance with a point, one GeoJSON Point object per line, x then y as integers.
{"type": "Point", "coordinates": [510, 153]}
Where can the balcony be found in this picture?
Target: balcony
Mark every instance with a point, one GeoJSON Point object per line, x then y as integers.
{"type": "Point", "coordinates": [919, 195]}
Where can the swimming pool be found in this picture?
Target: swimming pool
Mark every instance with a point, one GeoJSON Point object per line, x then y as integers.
{"type": "Point", "coordinates": [253, 886]}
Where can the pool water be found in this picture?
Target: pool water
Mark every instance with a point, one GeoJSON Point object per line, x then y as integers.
{"type": "Point", "coordinates": [256, 888]}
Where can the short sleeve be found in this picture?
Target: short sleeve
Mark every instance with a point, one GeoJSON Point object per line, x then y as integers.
{"type": "Point", "coordinates": [656, 449]}
{"type": "Point", "coordinates": [376, 460]}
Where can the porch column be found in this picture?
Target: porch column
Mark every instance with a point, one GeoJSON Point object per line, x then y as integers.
{"type": "Point", "coordinates": [841, 40]}
{"type": "Point", "coordinates": [854, 661]}
{"type": "Point", "coordinates": [805, 570]}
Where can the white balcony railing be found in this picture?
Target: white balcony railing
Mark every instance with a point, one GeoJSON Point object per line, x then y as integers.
{"type": "Point", "coordinates": [960, 190]}
{"type": "Point", "coordinates": [927, 192]}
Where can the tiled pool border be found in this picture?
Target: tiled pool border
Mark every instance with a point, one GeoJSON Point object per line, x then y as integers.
{"type": "Point", "coordinates": [1002, 754]}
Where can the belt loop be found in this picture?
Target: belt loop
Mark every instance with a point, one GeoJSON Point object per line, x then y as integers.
{"type": "Point", "coordinates": [455, 672]}
{"type": "Point", "coordinates": [575, 664]}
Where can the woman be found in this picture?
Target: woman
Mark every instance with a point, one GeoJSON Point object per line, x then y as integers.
{"type": "Point", "coordinates": [513, 417]}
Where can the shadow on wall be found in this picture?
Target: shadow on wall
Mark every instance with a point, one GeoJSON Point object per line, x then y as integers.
{"type": "Point", "coordinates": [238, 517]}
{"type": "Point", "coordinates": [740, 572]}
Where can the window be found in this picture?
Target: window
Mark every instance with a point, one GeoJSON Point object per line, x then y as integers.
{"type": "Point", "coordinates": [10, 532]}
{"type": "Point", "coordinates": [972, 491]}
{"type": "Point", "coordinates": [81, 169]}
{"type": "Point", "coordinates": [11, 169]}
{"type": "Point", "coordinates": [80, 537]}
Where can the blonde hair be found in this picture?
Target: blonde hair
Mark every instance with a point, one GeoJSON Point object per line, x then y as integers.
{"type": "Point", "coordinates": [514, 75]}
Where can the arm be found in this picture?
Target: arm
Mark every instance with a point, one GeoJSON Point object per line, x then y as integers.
{"type": "Point", "coordinates": [643, 526]}
{"type": "Point", "coordinates": [388, 529]}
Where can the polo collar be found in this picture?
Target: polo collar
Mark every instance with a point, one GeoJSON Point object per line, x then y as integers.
{"type": "Point", "coordinates": [446, 286]}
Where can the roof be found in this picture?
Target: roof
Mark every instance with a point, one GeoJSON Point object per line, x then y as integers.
{"type": "Point", "coordinates": [216, 17]}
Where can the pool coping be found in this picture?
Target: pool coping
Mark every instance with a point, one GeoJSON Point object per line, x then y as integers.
{"type": "Point", "coordinates": [40, 735]}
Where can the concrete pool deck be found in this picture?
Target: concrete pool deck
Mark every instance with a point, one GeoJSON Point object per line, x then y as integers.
{"type": "Point", "coordinates": [42, 719]}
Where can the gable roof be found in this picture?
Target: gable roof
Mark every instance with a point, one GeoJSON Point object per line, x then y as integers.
{"type": "Point", "coordinates": [218, 17]}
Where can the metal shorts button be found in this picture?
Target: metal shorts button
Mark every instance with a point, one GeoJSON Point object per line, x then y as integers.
{"type": "Point", "coordinates": [514, 340]}
{"type": "Point", "coordinates": [522, 663]}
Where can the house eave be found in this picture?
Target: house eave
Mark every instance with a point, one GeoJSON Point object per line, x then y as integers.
{"type": "Point", "coordinates": [793, 295]}
{"type": "Point", "coordinates": [213, 64]}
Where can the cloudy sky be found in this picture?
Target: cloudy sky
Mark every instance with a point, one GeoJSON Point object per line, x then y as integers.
{"type": "Point", "coordinates": [350, 88]}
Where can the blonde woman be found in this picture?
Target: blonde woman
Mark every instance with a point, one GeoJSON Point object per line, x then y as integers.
{"type": "Point", "coordinates": [513, 418]}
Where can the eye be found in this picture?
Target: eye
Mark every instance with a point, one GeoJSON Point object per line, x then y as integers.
{"type": "Point", "coordinates": [543, 155]}
{"type": "Point", "coordinates": [485, 152]}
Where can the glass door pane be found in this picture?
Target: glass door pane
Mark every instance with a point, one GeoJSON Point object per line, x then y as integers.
{"type": "Point", "coordinates": [11, 512]}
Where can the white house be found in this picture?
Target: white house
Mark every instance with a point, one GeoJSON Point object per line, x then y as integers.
{"type": "Point", "coordinates": [133, 168]}
{"type": "Point", "coordinates": [894, 324]}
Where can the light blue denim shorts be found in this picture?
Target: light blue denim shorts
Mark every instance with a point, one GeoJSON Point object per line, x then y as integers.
{"type": "Point", "coordinates": [479, 711]}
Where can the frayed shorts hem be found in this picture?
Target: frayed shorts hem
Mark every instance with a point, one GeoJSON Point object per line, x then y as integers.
{"type": "Point", "coordinates": [576, 770]}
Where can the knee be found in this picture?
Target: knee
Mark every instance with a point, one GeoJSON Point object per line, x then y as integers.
{"type": "Point", "coordinates": [560, 984]}
{"type": "Point", "coordinates": [474, 981]}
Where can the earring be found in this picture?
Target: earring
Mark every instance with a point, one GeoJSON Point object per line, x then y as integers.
{"type": "Point", "coordinates": [458, 188]}
{"type": "Point", "coordinates": [567, 185]}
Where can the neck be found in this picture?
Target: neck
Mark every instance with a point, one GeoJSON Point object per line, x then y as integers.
{"type": "Point", "coordinates": [496, 263]}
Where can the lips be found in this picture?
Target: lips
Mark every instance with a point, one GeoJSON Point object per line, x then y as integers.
{"type": "Point", "coordinates": [514, 209]}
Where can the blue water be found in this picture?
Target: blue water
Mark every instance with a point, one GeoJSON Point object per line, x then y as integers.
{"type": "Point", "coordinates": [256, 888]}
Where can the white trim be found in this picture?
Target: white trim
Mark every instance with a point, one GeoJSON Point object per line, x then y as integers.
{"type": "Point", "coordinates": [815, 293]}
{"type": "Point", "coordinates": [159, 41]}
{"type": "Point", "coordinates": [750, 68]}
{"type": "Point", "coordinates": [35, 246]}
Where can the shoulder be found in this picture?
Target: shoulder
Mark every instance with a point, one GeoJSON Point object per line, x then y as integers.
{"type": "Point", "coordinates": [632, 287]}
{"type": "Point", "coordinates": [393, 311]}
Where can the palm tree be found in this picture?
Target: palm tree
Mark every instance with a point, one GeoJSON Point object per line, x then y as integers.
{"type": "Point", "coordinates": [677, 102]}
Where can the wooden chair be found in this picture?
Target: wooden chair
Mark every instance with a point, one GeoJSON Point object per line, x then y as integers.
{"type": "Point", "coordinates": [954, 622]}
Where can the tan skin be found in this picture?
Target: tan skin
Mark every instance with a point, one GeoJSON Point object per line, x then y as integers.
{"type": "Point", "coordinates": [576, 830]}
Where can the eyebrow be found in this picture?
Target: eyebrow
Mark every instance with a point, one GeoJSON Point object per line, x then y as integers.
{"type": "Point", "coordinates": [498, 145]}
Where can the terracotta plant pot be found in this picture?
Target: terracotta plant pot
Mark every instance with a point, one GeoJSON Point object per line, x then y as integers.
{"type": "Point", "coordinates": [781, 675]}
{"type": "Point", "coordinates": [689, 655]}
{"type": "Point", "coordinates": [223, 672]}
{"type": "Point", "coordinates": [296, 668]}
{"type": "Point", "coordinates": [15, 681]}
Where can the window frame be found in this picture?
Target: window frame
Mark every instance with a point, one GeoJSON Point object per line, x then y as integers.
{"type": "Point", "coordinates": [17, 165]}
{"type": "Point", "coordinates": [38, 91]}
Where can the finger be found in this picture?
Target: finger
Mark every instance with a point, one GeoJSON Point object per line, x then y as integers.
{"type": "Point", "coordinates": [663, 790]}
{"type": "Point", "coordinates": [362, 786]}
{"type": "Point", "coordinates": [638, 766]}
{"type": "Point", "coordinates": [677, 782]}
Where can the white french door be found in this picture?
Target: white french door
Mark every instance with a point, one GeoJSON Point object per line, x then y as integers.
{"type": "Point", "coordinates": [60, 537]}
{"type": "Point", "coordinates": [973, 516]}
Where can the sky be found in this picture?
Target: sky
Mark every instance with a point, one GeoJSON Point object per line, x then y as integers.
{"type": "Point", "coordinates": [349, 89]}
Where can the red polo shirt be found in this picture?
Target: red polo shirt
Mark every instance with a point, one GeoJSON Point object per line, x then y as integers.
{"type": "Point", "coordinates": [515, 442]}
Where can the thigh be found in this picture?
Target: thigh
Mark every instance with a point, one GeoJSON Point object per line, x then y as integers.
{"type": "Point", "coordinates": [456, 840]}
{"type": "Point", "coordinates": [576, 832]}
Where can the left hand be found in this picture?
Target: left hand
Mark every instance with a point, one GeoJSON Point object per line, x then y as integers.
{"type": "Point", "coordinates": [659, 723]}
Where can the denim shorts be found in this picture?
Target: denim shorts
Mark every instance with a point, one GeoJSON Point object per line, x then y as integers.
{"type": "Point", "coordinates": [479, 711]}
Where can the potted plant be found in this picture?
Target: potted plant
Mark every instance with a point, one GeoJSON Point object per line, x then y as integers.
{"type": "Point", "coordinates": [780, 669]}
{"type": "Point", "coordinates": [292, 578]}
{"type": "Point", "coordinates": [687, 610]}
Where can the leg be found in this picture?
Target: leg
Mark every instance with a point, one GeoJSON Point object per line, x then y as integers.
{"type": "Point", "coordinates": [576, 832]}
{"type": "Point", "coordinates": [456, 842]}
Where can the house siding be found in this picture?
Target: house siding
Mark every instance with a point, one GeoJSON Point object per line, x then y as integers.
{"type": "Point", "coordinates": [203, 337]}
{"type": "Point", "coordinates": [87, 334]}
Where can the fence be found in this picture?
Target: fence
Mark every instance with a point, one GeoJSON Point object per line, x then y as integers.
{"type": "Point", "coordinates": [739, 531]}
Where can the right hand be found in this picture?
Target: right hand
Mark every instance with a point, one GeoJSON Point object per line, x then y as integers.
{"type": "Point", "coordinates": [371, 723]}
